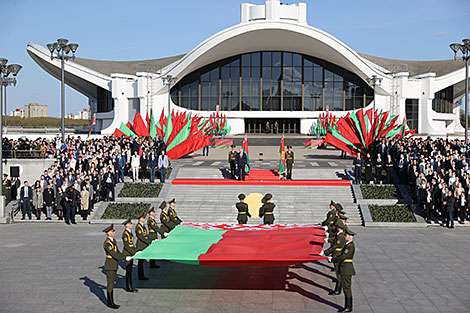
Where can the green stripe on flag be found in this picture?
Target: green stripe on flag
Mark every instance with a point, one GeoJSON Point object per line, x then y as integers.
{"type": "Point", "coordinates": [183, 245]}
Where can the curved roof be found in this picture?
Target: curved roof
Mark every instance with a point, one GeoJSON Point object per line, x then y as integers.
{"type": "Point", "coordinates": [415, 68]}
{"type": "Point", "coordinates": [126, 67]}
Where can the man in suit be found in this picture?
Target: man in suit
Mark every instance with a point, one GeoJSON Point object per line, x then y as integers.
{"type": "Point", "coordinates": [48, 197]}
{"type": "Point", "coordinates": [358, 163]}
{"type": "Point", "coordinates": [241, 162]}
{"type": "Point", "coordinates": [26, 199]}
{"type": "Point", "coordinates": [120, 165]}
{"type": "Point", "coordinates": [153, 163]}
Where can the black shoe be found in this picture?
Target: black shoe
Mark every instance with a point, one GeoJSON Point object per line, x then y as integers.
{"type": "Point", "coordinates": [74, 222]}
{"type": "Point", "coordinates": [22, 218]}
{"type": "Point", "coordinates": [109, 301]}
{"type": "Point", "coordinates": [337, 290]}
{"type": "Point", "coordinates": [349, 305]}
{"type": "Point", "coordinates": [143, 278]}
{"type": "Point", "coordinates": [112, 300]}
{"type": "Point", "coordinates": [154, 266]}
{"type": "Point", "coordinates": [30, 218]}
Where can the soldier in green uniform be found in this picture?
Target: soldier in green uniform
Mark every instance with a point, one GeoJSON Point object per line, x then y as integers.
{"type": "Point", "coordinates": [167, 224]}
{"type": "Point", "coordinates": [172, 213]}
{"type": "Point", "coordinates": [335, 250]}
{"type": "Point", "coordinates": [289, 161]}
{"type": "Point", "coordinates": [232, 158]}
{"type": "Point", "coordinates": [346, 269]}
{"type": "Point", "coordinates": [143, 241]}
{"type": "Point", "coordinates": [329, 222]}
{"type": "Point", "coordinates": [111, 264]}
{"type": "Point", "coordinates": [6, 185]}
{"type": "Point", "coordinates": [266, 210]}
{"type": "Point", "coordinates": [129, 249]}
{"type": "Point", "coordinates": [153, 230]}
{"type": "Point", "coordinates": [242, 208]}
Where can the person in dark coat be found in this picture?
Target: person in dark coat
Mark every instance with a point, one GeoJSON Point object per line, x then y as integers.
{"type": "Point", "coordinates": [241, 163]}
{"type": "Point", "coordinates": [266, 210]}
{"type": "Point", "coordinates": [71, 201]}
{"type": "Point", "coordinates": [26, 199]}
{"type": "Point", "coordinates": [368, 167]}
{"type": "Point", "coordinates": [152, 163]}
{"type": "Point", "coordinates": [449, 203]}
{"type": "Point", "coordinates": [358, 163]}
{"type": "Point", "coordinates": [242, 208]}
{"type": "Point", "coordinates": [378, 165]}
{"type": "Point", "coordinates": [48, 198]}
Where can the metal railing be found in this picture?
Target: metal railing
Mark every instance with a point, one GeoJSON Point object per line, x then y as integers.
{"type": "Point", "coordinates": [28, 154]}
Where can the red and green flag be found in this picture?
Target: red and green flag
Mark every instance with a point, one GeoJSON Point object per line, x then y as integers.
{"type": "Point", "coordinates": [152, 126]}
{"type": "Point", "coordinates": [282, 161]}
{"type": "Point", "coordinates": [239, 245]}
{"type": "Point", "coordinates": [93, 120]}
{"type": "Point", "coordinates": [245, 151]}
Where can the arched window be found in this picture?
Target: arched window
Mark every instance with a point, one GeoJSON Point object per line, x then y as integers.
{"type": "Point", "coordinates": [272, 81]}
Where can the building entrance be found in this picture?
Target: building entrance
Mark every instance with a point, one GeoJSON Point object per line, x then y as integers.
{"type": "Point", "coordinates": [272, 125]}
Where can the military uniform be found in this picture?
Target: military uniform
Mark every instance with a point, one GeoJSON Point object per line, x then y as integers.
{"type": "Point", "coordinates": [143, 241]}
{"type": "Point", "coordinates": [6, 185]}
{"type": "Point", "coordinates": [232, 160]}
{"type": "Point", "coordinates": [289, 162]}
{"type": "Point", "coordinates": [129, 249]}
{"type": "Point", "coordinates": [266, 210]}
{"type": "Point", "coordinates": [335, 250]}
{"type": "Point", "coordinates": [111, 265]}
{"type": "Point", "coordinates": [173, 215]}
{"type": "Point", "coordinates": [242, 207]}
{"type": "Point", "coordinates": [346, 271]}
{"type": "Point", "coordinates": [330, 220]}
{"type": "Point", "coordinates": [167, 224]}
{"type": "Point", "coordinates": [153, 230]}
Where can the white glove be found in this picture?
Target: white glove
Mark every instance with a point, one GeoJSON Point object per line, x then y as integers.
{"type": "Point", "coordinates": [325, 227]}
{"type": "Point", "coordinates": [165, 234]}
{"type": "Point", "coordinates": [329, 259]}
{"type": "Point", "coordinates": [326, 239]}
{"type": "Point", "coordinates": [138, 252]}
{"type": "Point", "coordinates": [322, 253]}
{"type": "Point", "coordinates": [128, 258]}
{"type": "Point", "coordinates": [154, 240]}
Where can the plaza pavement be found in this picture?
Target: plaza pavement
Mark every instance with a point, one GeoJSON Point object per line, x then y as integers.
{"type": "Point", "coordinates": [59, 268]}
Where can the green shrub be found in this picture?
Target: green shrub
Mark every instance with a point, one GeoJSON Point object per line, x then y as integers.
{"type": "Point", "coordinates": [125, 210]}
{"type": "Point", "coordinates": [391, 213]}
{"type": "Point", "coordinates": [140, 190]}
{"type": "Point", "coordinates": [44, 122]}
{"type": "Point", "coordinates": [380, 192]}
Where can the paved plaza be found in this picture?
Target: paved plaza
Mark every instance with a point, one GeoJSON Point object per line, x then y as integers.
{"type": "Point", "coordinates": [59, 268]}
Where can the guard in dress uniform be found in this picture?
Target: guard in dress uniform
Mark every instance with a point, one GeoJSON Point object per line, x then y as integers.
{"type": "Point", "coordinates": [232, 160]}
{"type": "Point", "coordinates": [111, 264]}
{"type": "Point", "coordinates": [167, 224]}
{"type": "Point", "coordinates": [242, 208]}
{"type": "Point", "coordinates": [129, 249]}
{"type": "Point", "coordinates": [289, 161]}
{"type": "Point", "coordinates": [329, 222]}
{"type": "Point", "coordinates": [172, 213]}
{"type": "Point", "coordinates": [346, 269]}
{"type": "Point", "coordinates": [153, 230]}
{"type": "Point", "coordinates": [6, 185]}
{"type": "Point", "coordinates": [335, 250]}
{"type": "Point", "coordinates": [143, 241]}
{"type": "Point", "coordinates": [266, 210]}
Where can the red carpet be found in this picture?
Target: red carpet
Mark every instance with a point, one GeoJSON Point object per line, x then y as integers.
{"type": "Point", "coordinates": [306, 182]}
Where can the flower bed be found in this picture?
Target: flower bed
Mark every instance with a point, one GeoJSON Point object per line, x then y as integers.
{"type": "Point", "coordinates": [125, 210]}
{"type": "Point", "coordinates": [380, 192]}
{"type": "Point", "coordinates": [392, 213]}
{"type": "Point", "coordinates": [140, 190]}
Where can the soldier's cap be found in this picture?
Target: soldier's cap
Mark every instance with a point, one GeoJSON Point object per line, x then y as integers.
{"type": "Point", "coordinates": [349, 232]}
{"type": "Point", "coordinates": [332, 203]}
{"type": "Point", "coordinates": [289, 147]}
{"type": "Point", "coordinates": [241, 196]}
{"type": "Point", "coordinates": [152, 209]}
{"type": "Point", "coordinates": [109, 228]}
{"type": "Point", "coordinates": [143, 215]}
{"type": "Point", "coordinates": [268, 196]}
{"type": "Point", "coordinates": [128, 221]}
{"type": "Point", "coordinates": [162, 205]}
{"type": "Point", "coordinates": [339, 207]}
{"type": "Point", "coordinates": [340, 224]}
{"type": "Point", "coordinates": [233, 146]}
{"type": "Point", "coordinates": [343, 217]}
{"type": "Point", "coordinates": [172, 201]}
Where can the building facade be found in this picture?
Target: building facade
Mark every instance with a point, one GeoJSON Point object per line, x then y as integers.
{"type": "Point", "coordinates": [272, 68]}
{"type": "Point", "coordinates": [35, 110]}
{"type": "Point", "coordinates": [18, 113]}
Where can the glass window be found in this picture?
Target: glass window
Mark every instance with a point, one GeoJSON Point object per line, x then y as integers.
{"type": "Point", "coordinates": [205, 77]}
{"type": "Point", "coordinates": [205, 88]}
{"type": "Point", "coordinates": [234, 72]}
{"type": "Point", "coordinates": [255, 72]}
{"type": "Point", "coordinates": [318, 73]}
{"type": "Point", "coordinates": [287, 74]}
{"type": "Point", "coordinates": [308, 74]}
{"type": "Point", "coordinates": [266, 73]}
{"type": "Point", "coordinates": [246, 60]}
{"type": "Point", "coordinates": [225, 73]}
{"type": "Point", "coordinates": [267, 59]}
{"type": "Point", "coordinates": [245, 72]}
{"type": "Point", "coordinates": [297, 73]}
{"type": "Point", "coordinates": [215, 74]}
{"type": "Point", "coordinates": [308, 63]}
{"type": "Point", "coordinates": [276, 59]}
{"type": "Point", "coordinates": [276, 73]}
{"type": "Point", "coordinates": [256, 59]}
{"type": "Point", "coordinates": [297, 60]}
{"type": "Point", "coordinates": [287, 59]}
{"type": "Point", "coordinates": [329, 76]}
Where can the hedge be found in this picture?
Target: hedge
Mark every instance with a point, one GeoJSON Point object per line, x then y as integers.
{"type": "Point", "coordinates": [125, 210]}
{"type": "Point", "coordinates": [140, 190]}
{"type": "Point", "coordinates": [392, 213]}
{"type": "Point", "coordinates": [380, 192]}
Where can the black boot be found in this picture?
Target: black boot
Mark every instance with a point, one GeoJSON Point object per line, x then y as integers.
{"type": "Point", "coordinates": [348, 305]}
{"type": "Point", "coordinates": [153, 264]}
{"type": "Point", "coordinates": [109, 301]}
{"type": "Point", "coordinates": [116, 306]}
{"type": "Point", "coordinates": [337, 290]}
{"type": "Point", "coordinates": [128, 285]}
{"type": "Point", "coordinates": [346, 301]}
{"type": "Point", "coordinates": [132, 286]}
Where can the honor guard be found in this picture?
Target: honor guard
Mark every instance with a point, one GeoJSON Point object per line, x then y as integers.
{"type": "Point", "coordinates": [143, 241]}
{"type": "Point", "coordinates": [172, 213]}
{"type": "Point", "coordinates": [242, 208]}
{"type": "Point", "coordinates": [346, 269]}
{"type": "Point", "coordinates": [129, 249]}
{"type": "Point", "coordinates": [111, 264]}
{"type": "Point", "coordinates": [335, 250]}
{"type": "Point", "coordinates": [167, 224]}
{"type": "Point", "coordinates": [289, 161]}
{"type": "Point", "coordinates": [153, 229]}
{"type": "Point", "coordinates": [266, 210]}
{"type": "Point", "coordinates": [232, 160]}
{"type": "Point", "coordinates": [330, 219]}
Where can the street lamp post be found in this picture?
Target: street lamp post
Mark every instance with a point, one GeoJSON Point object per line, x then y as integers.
{"type": "Point", "coordinates": [374, 81]}
{"type": "Point", "coordinates": [168, 80]}
{"type": "Point", "coordinates": [62, 49]}
{"type": "Point", "coordinates": [5, 71]}
{"type": "Point", "coordinates": [464, 48]}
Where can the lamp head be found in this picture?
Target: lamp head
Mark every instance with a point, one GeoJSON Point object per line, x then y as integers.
{"type": "Point", "coordinates": [51, 47]}
{"type": "Point", "coordinates": [3, 62]}
{"type": "Point", "coordinates": [73, 47]}
{"type": "Point", "coordinates": [14, 68]}
{"type": "Point", "coordinates": [463, 49]}
{"type": "Point", "coordinates": [57, 47]}
{"type": "Point", "coordinates": [62, 41]}
{"type": "Point", "coordinates": [66, 49]}
{"type": "Point", "coordinates": [466, 42]}
{"type": "Point", "coordinates": [455, 47]}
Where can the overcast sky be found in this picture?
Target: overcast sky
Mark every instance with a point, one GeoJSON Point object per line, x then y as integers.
{"type": "Point", "coordinates": [147, 29]}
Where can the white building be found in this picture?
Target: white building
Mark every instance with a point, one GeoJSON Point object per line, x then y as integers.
{"type": "Point", "coordinates": [18, 112]}
{"type": "Point", "coordinates": [272, 67]}
{"type": "Point", "coordinates": [83, 114]}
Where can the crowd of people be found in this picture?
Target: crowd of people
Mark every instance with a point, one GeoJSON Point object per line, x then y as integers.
{"type": "Point", "coordinates": [84, 172]}
{"type": "Point", "coordinates": [437, 173]}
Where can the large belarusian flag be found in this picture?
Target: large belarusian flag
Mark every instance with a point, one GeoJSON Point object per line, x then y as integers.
{"type": "Point", "coordinates": [239, 245]}
{"type": "Point", "coordinates": [282, 161]}
{"type": "Point", "coordinates": [245, 151]}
